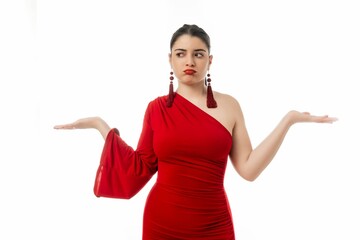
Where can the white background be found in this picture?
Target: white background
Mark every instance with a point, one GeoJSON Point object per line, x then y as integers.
{"type": "Point", "coordinates": [63, 60]}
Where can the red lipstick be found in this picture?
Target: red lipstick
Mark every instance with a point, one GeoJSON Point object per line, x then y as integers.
{"type": "Point", "coordinates": [189, 71]}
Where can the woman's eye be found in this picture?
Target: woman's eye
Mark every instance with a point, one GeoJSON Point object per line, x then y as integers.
{"type": "Point", "coordinates": [199, 55]}
{"type": "Point", "coordinates": [180, 54]}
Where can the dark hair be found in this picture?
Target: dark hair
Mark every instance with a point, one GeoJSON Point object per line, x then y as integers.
{"type": "Point", "coordinates": [192, 30]}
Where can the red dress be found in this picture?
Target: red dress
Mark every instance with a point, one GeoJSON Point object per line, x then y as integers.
{"type": "Point", "coordinates": [189, 149]}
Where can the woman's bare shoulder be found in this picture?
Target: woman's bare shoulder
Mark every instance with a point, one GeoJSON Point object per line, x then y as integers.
{"type": "Point", "coordinates": [227, 100]}
{"type": "Point", "coordinates": [230, 106]}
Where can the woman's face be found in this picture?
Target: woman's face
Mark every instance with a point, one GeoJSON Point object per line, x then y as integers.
{"type": "Point", "coordinates": [190, 59]}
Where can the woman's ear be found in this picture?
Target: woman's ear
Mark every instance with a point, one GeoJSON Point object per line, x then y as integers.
{"type": "Point", "coordinates": [210, 59]}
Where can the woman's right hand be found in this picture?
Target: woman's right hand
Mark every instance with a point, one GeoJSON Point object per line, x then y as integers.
{"type": "Point", "coordinates": [83, 123]}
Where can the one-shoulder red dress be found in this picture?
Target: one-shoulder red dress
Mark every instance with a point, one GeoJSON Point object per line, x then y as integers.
{"type": "Point", "coordinates": [189, 150]}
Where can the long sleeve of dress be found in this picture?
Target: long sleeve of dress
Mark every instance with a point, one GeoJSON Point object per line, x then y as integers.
{"type": "Point", "coordinates": [123, 171]}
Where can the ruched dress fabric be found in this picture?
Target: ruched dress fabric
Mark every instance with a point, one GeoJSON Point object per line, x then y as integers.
{"type": "Point", "coordinates": [188, 149]}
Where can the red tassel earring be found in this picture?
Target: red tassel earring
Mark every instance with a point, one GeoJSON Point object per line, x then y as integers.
{"type": "Point", "coordinates": [210, 101]}
{"type": "Point", "coordinates": [170, 98]}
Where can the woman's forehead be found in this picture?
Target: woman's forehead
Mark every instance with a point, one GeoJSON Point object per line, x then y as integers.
{"type": "Point", "coordinates": [188, 42]}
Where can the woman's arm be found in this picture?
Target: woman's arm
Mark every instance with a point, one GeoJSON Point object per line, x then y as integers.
{"type": "Point", "coordinates": [249, 162]}
{"type": "Point", "coordinates": [91, 122]}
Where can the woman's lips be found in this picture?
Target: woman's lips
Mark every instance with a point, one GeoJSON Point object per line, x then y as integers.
{"type": "Point", "coordinates": [189, 71]}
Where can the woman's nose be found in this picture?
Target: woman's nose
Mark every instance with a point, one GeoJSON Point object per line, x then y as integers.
{"type": "Point", "coordinates": [190, 62]}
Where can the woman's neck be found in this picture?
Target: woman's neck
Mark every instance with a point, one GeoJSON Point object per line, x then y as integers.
{"type": "Point", "coordinates": [193, 93]}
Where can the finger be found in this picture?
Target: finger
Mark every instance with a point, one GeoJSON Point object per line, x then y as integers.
{"type": "Point", "coordinates": [64, 126]}
{"type": "Point", "coordinates": [326, 119]}
{"type": "Point", "coordinates": [331, 119]}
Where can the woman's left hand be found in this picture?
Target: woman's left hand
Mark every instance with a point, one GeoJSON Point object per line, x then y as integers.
{"type": "Point", "coordinates": [297, 117]}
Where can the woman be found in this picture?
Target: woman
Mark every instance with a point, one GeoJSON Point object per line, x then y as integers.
{"type": "Point", "coordinates": [187, 138]}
